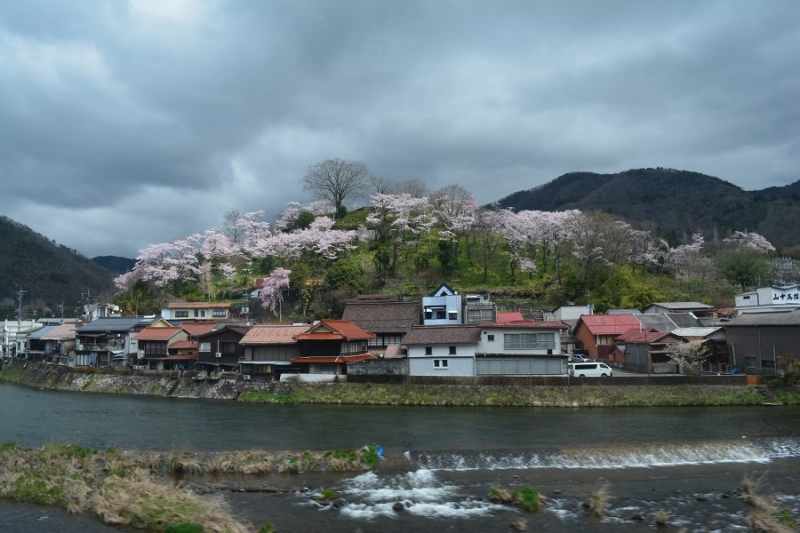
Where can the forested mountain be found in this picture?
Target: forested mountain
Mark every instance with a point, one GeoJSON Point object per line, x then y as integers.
{"type": "Point", "coordinates": [672, 203]}
{"type": "Point", "coordinates": [120, 265]}
{"type": "Point", "coordinates": [48, 273]}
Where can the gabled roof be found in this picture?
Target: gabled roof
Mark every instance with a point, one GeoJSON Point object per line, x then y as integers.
{"type": "Point", "coordinates": [115, 324]}
{"type": "Point", "coordinates": [684, 320]}
{"type": "Point", "coordinates": [608, 324]}
{"type": "Point", "coordinates": [195, 329]}
{"type": "Point", "coordinates": [183, 345]}
{"type": "Point", "coordinates": [792, 318]}
{"type": "Point", "coordinates": [657, 322]}
{"type": "Point", "coordinates": [525, 323]}
{"type": "Point", "coordinates": [443, 290]}
{"type": "Point", "coordinates": [443, 335]}
{"type": "Point", "coordinates": [282, 334]}
{"type": "Point", "coordinates": [623, 312]}
{"type": "Point", "coordinates": [241, 330]}
{"type": "Point", "coordinates": [157, 334]}
{"type": "Point", "coordinates": [681, 305]}
{"type": "Point", "coordinates": [645, 336]}
{"type": "Point", "coordinates": [197, 305]}
{"type": "Point", "coordinates": [509, 316]}
{"type": "Point", "coordinates": [63, 332]}
{"type": "Point", "coordinates": [333, 359]}
{"type": "Point", "coordinates": [39, 333]}
{"type": "Point", "coordinates": [329, 329]}
{"type": "Point", "coordinates": [697, 332]}
{"type": "Point", "coordinates": [378, 316]}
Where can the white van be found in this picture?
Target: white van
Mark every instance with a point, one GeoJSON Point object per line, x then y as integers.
{"type": "Point", "coordinates": [589, 370]}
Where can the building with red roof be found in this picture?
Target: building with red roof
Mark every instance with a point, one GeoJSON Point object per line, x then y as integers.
{"type": "Point", "coordinates": [597, 333]}
{"type": "Point", "coordinates": [329, 345]}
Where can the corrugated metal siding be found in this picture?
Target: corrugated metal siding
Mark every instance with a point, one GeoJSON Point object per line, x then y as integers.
{"type": "Point", "coordinates": [540, 366]}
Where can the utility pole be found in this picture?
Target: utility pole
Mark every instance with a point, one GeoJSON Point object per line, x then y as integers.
{"type": "Point", "coordinates": [20, 293]}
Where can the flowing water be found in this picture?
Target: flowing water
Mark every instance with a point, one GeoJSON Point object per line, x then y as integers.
{"type": "Point", "coordinates": [439, 463]}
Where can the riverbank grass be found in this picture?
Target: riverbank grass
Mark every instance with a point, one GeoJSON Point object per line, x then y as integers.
{"type": "Point", "coordinates": [538, 396]}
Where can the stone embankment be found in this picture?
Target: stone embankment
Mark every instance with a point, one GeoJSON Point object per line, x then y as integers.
{"type": "Point", "coordinates": [165, 384]}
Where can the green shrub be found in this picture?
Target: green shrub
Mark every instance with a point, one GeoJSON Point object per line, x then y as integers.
{"type": "Point", "coordinates": [527, 499]}
{"type": "Point", "coordinates": [184, 528]}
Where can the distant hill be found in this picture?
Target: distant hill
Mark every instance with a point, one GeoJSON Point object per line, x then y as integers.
{"type": "Point", "coordinates": [677, 202]}
{"type": "Point", "coordinates": [49, 273]}
{"type": "Point", "coordinates": [120, 265]}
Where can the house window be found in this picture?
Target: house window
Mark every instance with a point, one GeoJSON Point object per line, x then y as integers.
{"type": "Point", "coordinates": [452, 350]}
{"type": "Point", "coordinates": [750, 362]}
{"type": "Point", "coordinates": [181, 314]}
{"type": "Point", "coordinates": [196, 313]}
{"type": "Point", "coordinates": [205, 347]}
{"type": "Point", "coordinates": [529, 341]}
{"type": "Point", "coordinates": [441, 315]}
{"type": "Point", "coordinates": [428, 314]}
{"type": "Point", "coordinates": [202, 313]}
{"type": "Point", "coordinates": [228, 348]}
{"type": "Point", "coordinates": [429, 350]}
{"type": "Point", "coordinates": [453, 315]}
{"type": "Point", "coordinates": [440, 363]}
{"type": "Point", "coordinates": [218, 313]}
{"type": "Point", "coordinates": [490, 337]}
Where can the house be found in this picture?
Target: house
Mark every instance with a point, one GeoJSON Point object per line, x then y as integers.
{"type": "Point", "coordinates": [597, 333]}
{"type": "Point", "coordinates": [107, 341]}
{"type": "Point", "coordinates": [769, 299]}
{"type": "Point", "coordinates": [98, 310]}
{"type": "Point", "coordinates": [442, 350]}
{"type": "Point", "coordinates": [329, 345]}
{"type": "Point", "coordinates": [35, 347]}
{"type": "Point", "coordinates": [478, 309]}
{"type": "Point", "coordinates": [757, 340]}
{"type": "Point", "coordinates": [269, 350]}
{"type": "Point", "coordinates": [389, 320]}
{"type": "Point", "coordinates": [14, 334]}
{"type": "Point", "coordinates": [442, 307]}
{"type": "Point", "coordinates": [60, 344]}
{"type": "Point", "coordinates": [567, 312]}
{"type": "Point", "coordinates": [196, 311]}
{"type": "Point", "coordinates": [219, 349]}
{"type": "Point", "coordinates": [645, 350]}
{"type": "Point", "coordinates": [714, 341]}
{"type": "Point", "coordinates": [513, 345]}
{"type": "Point", "coordinates": [154, 344]}
{"type": "Point", "coordinates": [696, 308]}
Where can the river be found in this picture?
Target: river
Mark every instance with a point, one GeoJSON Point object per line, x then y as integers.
{"type": "Point", "coordinates": [439, 463]}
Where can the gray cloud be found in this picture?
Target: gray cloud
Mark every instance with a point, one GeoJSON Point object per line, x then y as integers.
{"type": "Point", "coordinates": [124, 124]}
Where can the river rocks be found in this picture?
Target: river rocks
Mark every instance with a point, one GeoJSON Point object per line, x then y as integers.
{"type": "Point", "coordinates": [398, 506]}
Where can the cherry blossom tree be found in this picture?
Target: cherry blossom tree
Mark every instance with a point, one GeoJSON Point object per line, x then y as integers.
{"type": "Point", "coordinates": [751, 240]}
{"type": "Point", "coordinates": [271, 294]}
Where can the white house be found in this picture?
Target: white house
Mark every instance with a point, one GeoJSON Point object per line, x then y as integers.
{"type": "Point", "coordinates": [769, 299]}
{"type": "Point", "coordinates": [442, 350]}
{"type": "Point", "coordinates": [516, 346]}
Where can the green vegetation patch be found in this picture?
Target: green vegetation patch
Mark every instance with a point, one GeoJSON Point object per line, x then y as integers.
{"type": "Point", "coordinates": [527, 499]}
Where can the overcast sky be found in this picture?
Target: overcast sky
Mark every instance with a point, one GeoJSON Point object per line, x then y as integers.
{"type": "Point", "coordinates": [126, 123]}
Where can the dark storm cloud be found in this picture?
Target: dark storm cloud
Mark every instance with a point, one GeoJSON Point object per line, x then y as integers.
{"type": "Point", "coordinates": [129, 123]}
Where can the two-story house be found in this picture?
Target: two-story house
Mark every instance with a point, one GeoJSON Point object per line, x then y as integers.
{"type": "Point", "coordinates": [442, 307]}
{"type": "Point", "coordinates": [389, 320]}
{"type": "Point", "coordinates": [517, 346]}
{"type": "Point", "coordinates": [269, 350]}
{"type": "Point", "coordinates": [596, 334]}
{"type": "Point", "coordinates": [442, 350]}
{"type": "Point", "coordinates": [219, 349]}
{"type": "Point", "coordinates": [329, 345]}
{"type": "Point", "coordinates": [107, 341]}
{"type": "Point", "coordinates": [180, 311]}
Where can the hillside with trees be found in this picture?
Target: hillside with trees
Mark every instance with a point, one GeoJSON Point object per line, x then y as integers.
{"type": "Point", "coordinates": [672, 203]}
{"type": "Point", "coordinates": [408, 240]}
{"type": "Point", "coordinates": [49, 273]}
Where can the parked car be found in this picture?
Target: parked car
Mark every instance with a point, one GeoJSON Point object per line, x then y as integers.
{"type": "Point", "coordinates": [590, 370]}
{"type": "Point", "coordinates": [579, 358]}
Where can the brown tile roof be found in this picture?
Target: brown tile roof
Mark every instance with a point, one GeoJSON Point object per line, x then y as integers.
{"type": "Point", "coordinates": [273, 334]}
{"type": "Point", "coordinates": [328, 329]}
{"type": "Point", "coordinates": [62, 332]}
{"type": "Point", "coordinates": [609, 324]}
{"type": "Point", "coordinates": [195, 329]}
{"type": "Point", "coordinates": [443, 335]}
{"type": "Point", "coordinates": [644, 337]}
{"type": "Point", "coordinates": [156, 334]}
{"type": "Point", "coordinates": [183, 345]}
{"type": "Point", "coordinates": [381, 316]}
{"type": "Point", "coordinates": [527, 323]}
{"type": "Point", "coordinates": [197, 305]}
